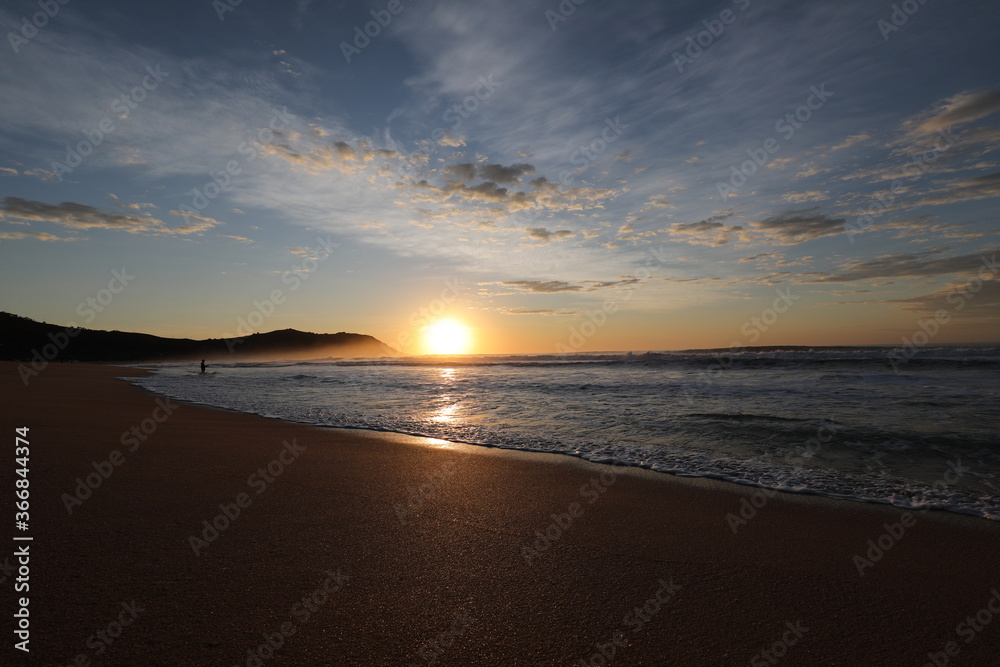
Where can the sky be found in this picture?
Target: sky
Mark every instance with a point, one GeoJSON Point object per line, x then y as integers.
{"type": "Point", "coordinates": [554, 177]}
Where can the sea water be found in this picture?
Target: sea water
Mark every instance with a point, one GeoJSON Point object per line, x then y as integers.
{"type": "Point", "coordinates": [838, 422]}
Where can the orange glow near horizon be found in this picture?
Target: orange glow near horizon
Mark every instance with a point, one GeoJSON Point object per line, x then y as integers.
{"type": "Point", "coordinates": [447, 336]}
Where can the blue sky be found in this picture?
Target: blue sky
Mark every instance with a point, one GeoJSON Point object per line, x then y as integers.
{"type": "Point", "coordinates": [516, 166]}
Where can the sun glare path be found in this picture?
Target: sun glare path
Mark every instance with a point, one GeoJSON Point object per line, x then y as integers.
{"type": "Point", "coordinates": [447, 337]}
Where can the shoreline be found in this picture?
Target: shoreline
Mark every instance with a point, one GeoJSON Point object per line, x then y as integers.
{"type": "Point", "coordinates": [703, 481]}
{"type": "Point", "coordinates": [423, 549]}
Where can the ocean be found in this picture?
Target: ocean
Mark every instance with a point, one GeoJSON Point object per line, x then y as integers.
{"type": "Point", "coordinates": [836, 422]}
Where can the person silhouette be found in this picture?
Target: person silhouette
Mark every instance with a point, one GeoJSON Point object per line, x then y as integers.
{"type": "Point", "coordinates": [202, 365]}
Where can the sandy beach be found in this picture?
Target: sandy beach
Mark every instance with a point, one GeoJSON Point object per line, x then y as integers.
{"type": "Point", "coordinates": [174, 534]}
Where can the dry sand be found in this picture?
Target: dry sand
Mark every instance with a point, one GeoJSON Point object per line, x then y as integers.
{"type": "Point", "coordinates": [453, 570]}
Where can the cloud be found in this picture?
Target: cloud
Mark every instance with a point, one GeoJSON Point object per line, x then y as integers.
{"type": "Point", "coordinates": [851, 141]}
{"type": "Point", "coordinates": [659, 201]}
{"type": "Point", "coordinates": [41, 174]}
{"type": "Point", "coordinates": [924, 226]}
{"type": "Point", "coordinates": [545, 196]}
{"type": "Point", "coordinates": [73, 215]}
{"type": "Point", "coordinates": [496, 173]}
{"type": "Point", "coordinates": [544, 235]}
{"type": "Point", "coordinates": [936, 132]}
{"type": "Point", "coordinates": [557, 286]}
{"type": "Point", "coordinates": [507, 175]}
{"type": "Point", "coordinates": [603, 284]}
{"type": "Point", "coordinates": [316, 157]}
{"type": "Point", "coordinates": [711, 231]}
{"type": "Point", "coordinates": [962, 108]}
{"type": "Point", "coordinates": [780, 163]}
{"type": "Point", "coordinates": [83, 216]}
{"type": "Point", "coordinates": [38, 236]}
{"type": "Point", "coordinates": [978, 299]}
{"type": "Point", "coordinates": [981, 187]}
{"type": "Point", "coordinates": [196, 223]}
{"type": "Point", "coordinates": [805, 197]}
{"type": "Point", "coordinates": [811, 170]}
{"type": "Point", "coordinates": [912, 265]}
{"type": "Point", "coordinates": [451, 141]}
{"type": "Point", "coordinates": [540, 311]}
{"type": "Point", "coordinates": [450, 186]}
{"type": "Point", "coordinates": [800, 226]}
{"type": "Point", "coordinates": [759, 256]}
{"type": "Point", "coordinates": [487, 191]}
{"type": "Point", "coordinates": [970, 189]}
{"type": "Point", "coordinates": [465, 171]}
{"type": "Point", "coordinates": [542, 286]}
{"type": "Point", "coordinates": [555, 87]}
{"type": "Point", "coordinates": [694, 281]}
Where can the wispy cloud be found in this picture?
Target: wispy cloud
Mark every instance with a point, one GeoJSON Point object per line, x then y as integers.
{"type": "Point", "coordinates": [81, 216]}
{"type": "Point", "coordinates": [542, 286]}
{"type": "Point", "coordinates": [538, 311]}
{"type": "Point", "coordinates": [544, 235]}
{"type": "Point", "coordinates": [918, 264]}
{"type": "Point", "coordinates": [983, 303]}
{"type": "Point", "coordinates": [852, 140]}
{"type": "Point", "coordinates": [962, 108]}
{"type": "Point", "coordinates": [793, 227]}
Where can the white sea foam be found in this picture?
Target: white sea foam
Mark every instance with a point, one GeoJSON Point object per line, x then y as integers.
{"type": "Point", "coordinates": [833, 422]}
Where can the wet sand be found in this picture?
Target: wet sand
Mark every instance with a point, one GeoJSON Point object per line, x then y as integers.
{"type": "Point", "coordinates": [362, 548]}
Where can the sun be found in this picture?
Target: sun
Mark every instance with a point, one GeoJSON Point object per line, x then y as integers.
{"type": "Point", "coordinates": [447, 337]}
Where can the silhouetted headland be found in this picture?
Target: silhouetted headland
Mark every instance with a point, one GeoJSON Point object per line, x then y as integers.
{"type": "Point", "coordinates": [22, 339]}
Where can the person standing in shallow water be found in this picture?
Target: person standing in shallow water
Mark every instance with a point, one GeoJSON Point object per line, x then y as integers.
{"type": "Point", "coordinates": [203, 366]}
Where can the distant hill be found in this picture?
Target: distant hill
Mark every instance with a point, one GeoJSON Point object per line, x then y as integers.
{"type": "Point", "coordinates": [22, 338]}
